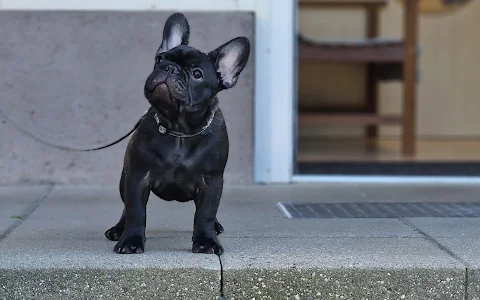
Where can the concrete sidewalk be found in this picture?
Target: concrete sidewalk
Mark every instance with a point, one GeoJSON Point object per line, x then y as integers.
{"type": "Point", "coordinates": [52, 247]}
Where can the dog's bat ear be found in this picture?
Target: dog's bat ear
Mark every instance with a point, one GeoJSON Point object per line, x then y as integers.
{"type": "Point", "coordinates": [230, 59]}
{"type": "Point", "coordinates": [176, 32]}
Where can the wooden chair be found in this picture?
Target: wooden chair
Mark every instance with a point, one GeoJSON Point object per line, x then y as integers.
{"type": "Point", "coordinates": [385, 59]}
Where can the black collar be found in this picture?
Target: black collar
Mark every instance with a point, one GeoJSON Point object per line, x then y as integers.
{"type": "Point", "coordinates": [163, 130]}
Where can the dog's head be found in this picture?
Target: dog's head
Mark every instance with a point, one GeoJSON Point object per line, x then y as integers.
{"type": "Point", "coordinates": [186, 79]}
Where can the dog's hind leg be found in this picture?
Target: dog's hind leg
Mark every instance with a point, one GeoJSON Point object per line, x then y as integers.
{"type": "Point", "coordinates": [218, 227]}
{"type": "Point", "coordinates": [116, 231]}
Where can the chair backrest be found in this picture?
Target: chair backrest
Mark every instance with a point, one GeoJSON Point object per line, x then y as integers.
{"type": "Point", "coordinates": [303, 3]}
{"type": "Point", "coordinates": [438, 6]}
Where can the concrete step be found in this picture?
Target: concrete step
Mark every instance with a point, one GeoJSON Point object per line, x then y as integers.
{"type": "Point", "coordinates": [52, 247]}
{"type": "Point", "coordinates": [244, 283]}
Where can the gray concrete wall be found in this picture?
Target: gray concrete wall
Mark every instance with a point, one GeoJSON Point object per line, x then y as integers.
{"type": "Point", "coordinates": [76, 79]}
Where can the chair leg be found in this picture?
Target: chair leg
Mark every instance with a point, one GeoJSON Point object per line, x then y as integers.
{"type": "Point", "coordinates": [409, 78]}
{"type": "Point", "coordinates": [371, 95]}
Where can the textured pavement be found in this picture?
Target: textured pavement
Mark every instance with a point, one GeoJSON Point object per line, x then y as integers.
{"type": "Point", "coordinates": [52, 247]}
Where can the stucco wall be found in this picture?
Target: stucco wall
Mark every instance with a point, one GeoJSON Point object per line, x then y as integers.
{"type": "Point", "coordinates": [76, 79]}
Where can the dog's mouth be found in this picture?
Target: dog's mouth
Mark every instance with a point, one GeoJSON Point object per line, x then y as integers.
{"type": "Point", "coordinates": [161, 92]}
{"type": "Point", "coordinates": [162, 97]}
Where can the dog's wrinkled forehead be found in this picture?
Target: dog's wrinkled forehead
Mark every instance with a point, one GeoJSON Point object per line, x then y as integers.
{"type": "Point", "coordinates": [185, 55]}
{"type": "Point", "coordinates": [190, 58]}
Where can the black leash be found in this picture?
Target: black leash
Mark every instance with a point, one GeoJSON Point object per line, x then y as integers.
{"type": "Point", "coordinates": [65, 148]}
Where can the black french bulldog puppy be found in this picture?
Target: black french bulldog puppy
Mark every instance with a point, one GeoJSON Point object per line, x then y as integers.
{"type": "Point", "coordinates": [180, 148]}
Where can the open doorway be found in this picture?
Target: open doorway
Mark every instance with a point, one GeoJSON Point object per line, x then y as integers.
{"type": "Point", "coordinates": [338, 135]}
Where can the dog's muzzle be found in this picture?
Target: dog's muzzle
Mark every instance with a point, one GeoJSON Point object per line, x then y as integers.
{"type": "Point", "coordinates": [165, 84]}
{"type": "Point", "coordinates": [162, 93]}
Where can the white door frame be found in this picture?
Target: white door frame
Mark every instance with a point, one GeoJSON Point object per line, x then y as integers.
{"type": "Point", "coordinates": [275, 68]}
{"type": "Point", "coordinates": [274, 92]}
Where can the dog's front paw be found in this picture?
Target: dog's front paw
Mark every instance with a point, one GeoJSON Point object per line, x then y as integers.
{"type": "Point", "coordinates": [130, 245]}
{"type": "Point", "coordinates": [207, 244]}
{"type": "Point", "coordinates": [114, 233]}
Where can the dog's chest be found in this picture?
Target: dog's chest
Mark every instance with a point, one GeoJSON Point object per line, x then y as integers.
{"type": "Point", "coordinates": [181, 160]}
{"type": "Point", "coordinates": [175, 155]}
{"type": "Point", "coordinates": [175, 160]}
{"type": "Point", "coordinates": [178, 177]}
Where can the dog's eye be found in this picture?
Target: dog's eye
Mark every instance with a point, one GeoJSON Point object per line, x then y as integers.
{"type": "Point", "coordinates": [159, 59]}
{"type": "Point", "coordinates": [197, 74]}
